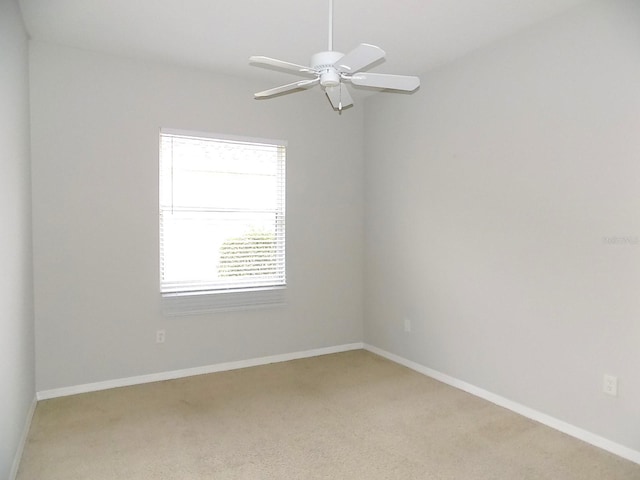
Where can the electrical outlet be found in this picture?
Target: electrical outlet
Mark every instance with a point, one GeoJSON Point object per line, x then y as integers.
{"type": "Point", "coordinates": [407, 325]}
{"type": "Point", "coordinates": [610, 385]}
{"type": "Point", "coordinates": [160, 334]}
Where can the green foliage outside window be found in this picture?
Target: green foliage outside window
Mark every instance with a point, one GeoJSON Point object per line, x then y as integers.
{"type": "Point", "coordinates": [254, 252]}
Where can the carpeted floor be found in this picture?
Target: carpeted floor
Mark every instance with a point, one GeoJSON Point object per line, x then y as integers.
{"type": "Point", "coordinates": [351, 415]}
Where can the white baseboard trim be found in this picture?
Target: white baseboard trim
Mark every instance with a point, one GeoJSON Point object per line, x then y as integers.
{"type": "Point", "coordinates": [188, 372]}
{"type": "Point", "coordinates": [571, 430]}
{"type": "Point", "coordinates": [23, 440]}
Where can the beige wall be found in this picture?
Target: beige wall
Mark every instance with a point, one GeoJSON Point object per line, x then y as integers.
{"type": "Point", "coordinates": [16, 300]}
{"type": "Point", "coordinates": [96, 120]}
{"type": "Point", "coordinates": [502, 219]}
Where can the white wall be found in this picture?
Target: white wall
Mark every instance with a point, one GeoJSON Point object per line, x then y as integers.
{"type": "Point", "coordinates": [498, 201]}
{"type": "Point", "coordinates": [95, 121]}
{"type": "Point", "coordinates": [16, 300]}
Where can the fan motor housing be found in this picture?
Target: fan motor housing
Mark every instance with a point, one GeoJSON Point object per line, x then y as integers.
{"type": "Point", "coordinates": [323, 63]}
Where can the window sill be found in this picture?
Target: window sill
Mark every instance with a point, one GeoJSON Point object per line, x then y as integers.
{"type": "Point", "coordinates": [192, 303]}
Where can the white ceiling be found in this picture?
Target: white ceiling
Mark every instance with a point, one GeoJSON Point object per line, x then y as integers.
{"type": "Point", "coordinates": [220, 35]}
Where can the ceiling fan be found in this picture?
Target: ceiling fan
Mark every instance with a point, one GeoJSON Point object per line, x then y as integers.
{"type": "Point", "coordinates": [331, 69]}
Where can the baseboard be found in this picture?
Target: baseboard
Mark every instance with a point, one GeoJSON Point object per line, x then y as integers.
{"type": "Point", "coordinates": [564, 427]}
{"type": "Point", "coordinates": [23, 440]}
{"type": "Point", "coordinates": [220, 367]}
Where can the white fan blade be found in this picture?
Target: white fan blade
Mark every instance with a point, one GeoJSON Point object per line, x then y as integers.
{"type": "Point", "coordinates": [339, 96]}
{"type": "Point", "coordinates": [274, 62]}
{"type": "Point", "coordinates": [358, 58]}
{"type": "Point", "coordinates": [288, 87]}
{"type": "Point", "coordinates": [381, 80]}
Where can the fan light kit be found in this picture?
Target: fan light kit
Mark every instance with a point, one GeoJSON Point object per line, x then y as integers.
{"type": "Point", "coordinates": [331, 69]}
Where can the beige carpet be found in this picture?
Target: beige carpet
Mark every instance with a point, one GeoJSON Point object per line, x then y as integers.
{"type": "Point", "coordinates": [346, 416]}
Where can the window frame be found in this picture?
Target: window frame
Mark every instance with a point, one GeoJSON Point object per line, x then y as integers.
{"type": "Point", "coordinates": [201, 301]}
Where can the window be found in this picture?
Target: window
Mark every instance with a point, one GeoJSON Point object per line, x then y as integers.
{"type": "Point", "coordinates": [222, 221]}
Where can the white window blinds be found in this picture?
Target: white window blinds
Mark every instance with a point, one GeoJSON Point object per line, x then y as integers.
{"type": "Point", "coordinates": [222, 213]}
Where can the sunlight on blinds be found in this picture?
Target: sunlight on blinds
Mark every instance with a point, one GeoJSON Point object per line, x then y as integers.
{"type": "Point", "coordinates": [222, 213]}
